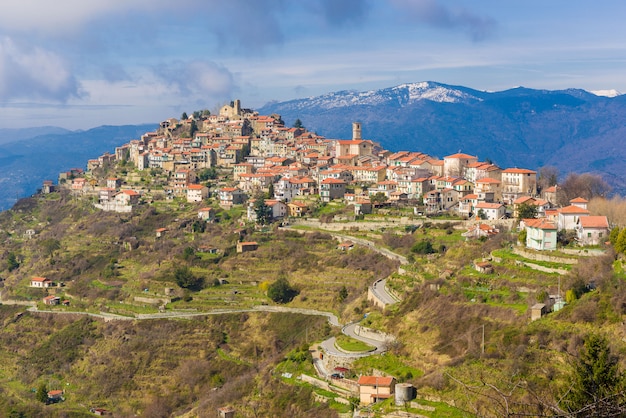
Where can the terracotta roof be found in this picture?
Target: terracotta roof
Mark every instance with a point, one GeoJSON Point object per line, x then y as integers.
{"type": "Point", "coordinates": [594, 222]}
{"type": "Point", "coordinates": [539, 224]}
{"type": "Point", "coordinates": [39, 279]}
{"type": "Point", "coordinates": [375, 380]}
{"type": "Point", "coordinates": [519, 171]}
{"type": "Point", "coordinates": [331, 180]}
{"type": "Point", "coordinates": [579, 200]}
{"type": "Point", "coordinates": [459, 156]}
{"type": "Point", "coordinates": [485, 205]}
{"type": "Point", "coordinates": [573, 210]}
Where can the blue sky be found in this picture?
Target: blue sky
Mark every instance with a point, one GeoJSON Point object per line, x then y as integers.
{"type": "Point", "coordinates": [80, 64]}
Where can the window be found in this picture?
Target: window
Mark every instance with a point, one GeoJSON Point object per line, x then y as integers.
{"type": "Point", "coordinates": [588, 234]}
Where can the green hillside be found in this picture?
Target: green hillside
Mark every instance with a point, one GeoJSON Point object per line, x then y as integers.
{"type": "Point", "coordinates": [177, 329]}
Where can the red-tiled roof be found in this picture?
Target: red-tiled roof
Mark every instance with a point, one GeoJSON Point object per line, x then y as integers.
{"type": "Point", "coordinates": [539, 224]}
{"type": "Point", "coordinates": [594, 222]}
{"type": "Point", "coordinates": [375, 380]}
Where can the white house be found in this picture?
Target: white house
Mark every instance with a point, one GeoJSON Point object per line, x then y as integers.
{"type": "Point", "coordinates": [490, 211]}
{"type": "Point", "coordinates": [196, 193]}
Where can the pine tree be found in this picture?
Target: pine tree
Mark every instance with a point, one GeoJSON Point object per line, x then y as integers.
{"type": "Point", "coordinates": [620, 243]}
{"type": "Point", "coordinates": [598, 384]}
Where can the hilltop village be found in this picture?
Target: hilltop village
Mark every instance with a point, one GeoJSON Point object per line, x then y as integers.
{"type": "Point", "coordinates": [291, 169]}
{"type": "Point", "coordinates": [242, 266]}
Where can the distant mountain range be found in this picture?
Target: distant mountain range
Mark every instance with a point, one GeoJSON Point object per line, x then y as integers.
{"type": "Point", "coordinates": [573, 130]}
{"type": "Point", "coordinates": [29, 156]}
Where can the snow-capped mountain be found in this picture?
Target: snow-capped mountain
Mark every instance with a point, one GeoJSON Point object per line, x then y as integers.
{"type": "Point", "coordinates": [573, 129]}
{"type": "Point", "coordinates": [401, 95]}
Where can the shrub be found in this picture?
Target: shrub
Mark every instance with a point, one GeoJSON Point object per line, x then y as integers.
{"type": "Point", "coordinates": [423, 247]}
{"type": "Point", "coordinates": [281, 291]}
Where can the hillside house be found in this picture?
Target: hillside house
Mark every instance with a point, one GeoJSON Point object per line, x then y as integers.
{"type": "Point", "coordinates": [41, 282]}
{"type": "Point", "coordinates": [297, 209]}
{"type": "Point", "coordinates": [490, 211]}
{"type": "Point", "coordinates": [230, 196]}
{"type": "Point", "coordinates": [52, 300]}
{"type": "Point", "coordinates": [48, 187]}
{"type": "Point", "coordinates": [592, 230]}
{"type": "Point", "coordinates": [540, 234]}
{"type": "Point", "coordinates": [246, 246]}
{"type": "Point", "coordinates": [579, 202]}
{"type": "Point", "coordinates": [206, 214]}
{"type": "Point", "coordinates": [375, 388]}
{"type": "Point", "coordinates": [456, 164]}
{"type": "Point", "coordinates": [569, 215]}
{"type": "Point", "coordinates": [345, 246]}
{"type": "Point", "coordinates": [331, 189]}
{"type": "Point", "coordinates": [480, 230]}
{"type": "Point", "coordinates": [517, 182]}
{"type": "Point", "coordinates": [197, 193]}
{"type": "Point", "coordinates": [484, 267]}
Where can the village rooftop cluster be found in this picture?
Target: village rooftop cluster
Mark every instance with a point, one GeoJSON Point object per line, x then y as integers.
{"type": "Point", "coordinates": [295, 165]}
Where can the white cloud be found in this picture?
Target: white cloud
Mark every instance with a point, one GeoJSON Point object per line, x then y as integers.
{"type": "Point", "coordinates": [32, 72]}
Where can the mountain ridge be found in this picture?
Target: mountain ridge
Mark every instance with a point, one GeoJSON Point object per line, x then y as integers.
{"type": "Point", "coordinates": [516, 127]}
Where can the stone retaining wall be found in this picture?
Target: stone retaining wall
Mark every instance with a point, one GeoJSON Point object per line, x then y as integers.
{"type": "Point", "coordinates": [544, 257]}
{"type": "Point", "coordinates": [372, 334]}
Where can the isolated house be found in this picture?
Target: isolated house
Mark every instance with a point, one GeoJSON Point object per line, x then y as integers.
{"type": "Point", "coordinates": [51, 300]}
{"type": "Point", "coordinates": [243, 247]}
{"type": "Point", "coordinates": [40, 282]}
{"type": "Point", "coordinates": [375, 388]}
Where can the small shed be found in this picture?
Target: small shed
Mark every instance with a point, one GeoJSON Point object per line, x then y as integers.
{"type": "Point", "coordinates": [346, 246]}
{"type": "Point", "coordinates": [226, 412]}
{"type": "Point", "coordinates": [52, 300]}
{"type": "Point", "coordinates": [243, 247]}
{"type": "Point", "coordinates": [160, 232]}
{"type": "Point", "coordinates": [483, 267]}
{"type": "Point", "coordinates": [537, 311]}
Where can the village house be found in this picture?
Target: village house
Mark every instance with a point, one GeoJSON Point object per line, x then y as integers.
{"type": "Point", "coordinates": [297, 209]}
{"type": "Point", "coordinates": [456, 164]}
{"type": "Point", "coordinates": [206, 214]}
{"type": "Point", "coordinates": [230, 196]}
{"type": "Point", "coordinates": [197, 193]}
{"type": "Point", "coordinates": [540, 234]}
{"type": "Point", "coordinates": [592, 230]}
{"type": "Point", "coordinates": [375, 388]}
{"type": "Point", "coordinates": [490, 211]}
{"type": "Point", "coordinates": [568, 217]}
{"type": "Point", "coordinates": [331, 189]}
{"type": "Point", "coordinates": [517, 182]}
{"type": "Point", "coordinates": [479, 231]}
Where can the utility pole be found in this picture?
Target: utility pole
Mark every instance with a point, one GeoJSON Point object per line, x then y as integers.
{"type": "Point", "coordinates": [483, 343]}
